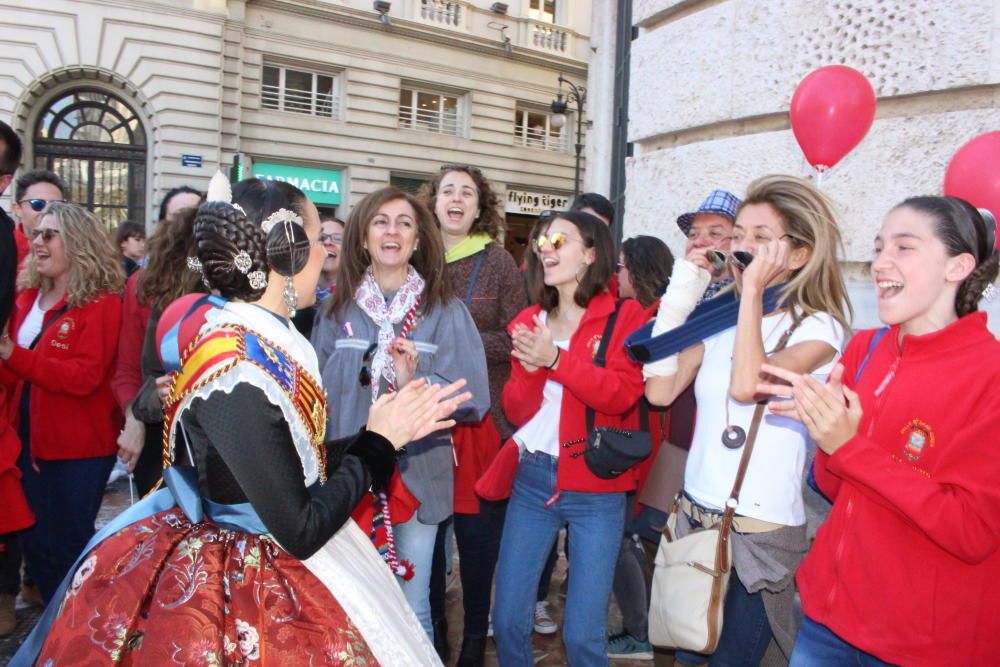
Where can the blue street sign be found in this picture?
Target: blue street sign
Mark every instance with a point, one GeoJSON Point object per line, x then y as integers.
{"type": "Point", "coordinates": [188, 160]}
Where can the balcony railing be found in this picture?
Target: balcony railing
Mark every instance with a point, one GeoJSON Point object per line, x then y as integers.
{"type": "Point", "coordinates": [548, 37]}
{"type": "Point", "coordinates": [300, 101]}
{"type": "Point", "coordinates": [540, 139]}
{"type": "Point", "coordinates": [472, 20]}
{"type": "Point", "coordinates": [428, 120]}
{"type": "Point", "coordinates": [441, 11]}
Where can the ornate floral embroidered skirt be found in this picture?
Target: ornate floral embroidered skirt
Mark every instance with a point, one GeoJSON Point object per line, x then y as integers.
{"type": "Point", "coordinates": [165, 591]}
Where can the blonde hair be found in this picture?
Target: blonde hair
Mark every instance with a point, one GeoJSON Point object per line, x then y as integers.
{"type": "Point", "coordinates": [810, 219]}
{"type": "Point", "coordinates": [94, 262]}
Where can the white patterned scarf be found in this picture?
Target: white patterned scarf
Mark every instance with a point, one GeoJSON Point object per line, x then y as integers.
{"type": "Point", "coordinates": [371, 301]}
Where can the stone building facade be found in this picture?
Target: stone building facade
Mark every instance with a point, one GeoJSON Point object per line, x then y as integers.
{"type": "Point", "coordinates": [712, 80]}
{"type": "Point", "coordinates": [129, 98]}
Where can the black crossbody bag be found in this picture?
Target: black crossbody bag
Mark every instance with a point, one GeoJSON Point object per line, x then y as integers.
{"type": "Point", "coordinates": [612, 451]}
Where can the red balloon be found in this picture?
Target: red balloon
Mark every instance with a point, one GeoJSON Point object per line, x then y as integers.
{"type": "Point", "coordinates": [831, 112]}
{"type": "Point", "coordinates": [974, 173]}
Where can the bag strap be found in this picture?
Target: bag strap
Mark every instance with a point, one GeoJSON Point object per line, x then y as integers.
{"type": "Point", "coordinates": [472, 281]}
{"type": "Point", "coordinates": [48, 323]}
{"type": "Point", "coordinates": [725, 526]}
{"type": "Point", "coordinates": [599, 361]}
{"type": "Point", "coordinates": [871, 348]}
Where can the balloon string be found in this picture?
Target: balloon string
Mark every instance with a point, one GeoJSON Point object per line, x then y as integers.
{"type": "Point", "coordinates": [820, 170]}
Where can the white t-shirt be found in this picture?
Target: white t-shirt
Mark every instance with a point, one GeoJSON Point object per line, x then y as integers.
{"type": "Point", "coordinates": [772, 488]}
{"type": "Point", "coordinates": [32, 324]}
{"type": "Point", "coordinates": [541, 432]}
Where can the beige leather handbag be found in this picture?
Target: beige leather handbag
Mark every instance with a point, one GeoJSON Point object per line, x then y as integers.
{"type": "Point", "coordinates": [691, 573]}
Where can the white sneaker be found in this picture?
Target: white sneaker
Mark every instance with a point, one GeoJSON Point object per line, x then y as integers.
{"type": "Point", "coordinates": [544, 625]}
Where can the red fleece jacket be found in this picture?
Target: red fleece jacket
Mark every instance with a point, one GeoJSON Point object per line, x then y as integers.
{"type": "Point", "coordinates": [73, 411]}
{"type": "Point", "coordinates": [906, 566]}
{"type": "Point", "coordinates": [612, 391]}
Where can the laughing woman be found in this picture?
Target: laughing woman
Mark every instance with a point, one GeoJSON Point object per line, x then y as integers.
{"type": "Point", "coordinates": [58, 358]}
{"type": "Point", "coordinates": [904, 570]}
{"type": "Point", "coordinates": [391, 319]}
{"type": "Point", "coordinates": [485, 275]}
{"type": "Point", "coordinates": [553, 384]}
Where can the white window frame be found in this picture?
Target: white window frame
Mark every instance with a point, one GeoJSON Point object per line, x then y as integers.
{"type": "Point", "coordinates": [539, 14]}
{"type": "Point", "coordinates": [411, 118]}
{"type": "Point", "coordinates": [282, 91]}
{"type": "Point", "coordinates": [523, 136]}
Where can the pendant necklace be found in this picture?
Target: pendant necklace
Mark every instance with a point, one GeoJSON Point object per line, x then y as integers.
{"type": "Point", "coordinates": [733, 436]}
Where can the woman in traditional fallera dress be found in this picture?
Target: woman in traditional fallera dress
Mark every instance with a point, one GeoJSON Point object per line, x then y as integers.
{"type": "Point", "coordinates": [249, 555]}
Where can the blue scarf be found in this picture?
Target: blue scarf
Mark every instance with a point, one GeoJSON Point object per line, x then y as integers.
{"type": "Point", "coordinates": [708, 319]}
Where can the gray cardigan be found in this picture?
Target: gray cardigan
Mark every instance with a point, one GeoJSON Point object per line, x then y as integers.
{"type": "Point", "coordinates": [449, 346]}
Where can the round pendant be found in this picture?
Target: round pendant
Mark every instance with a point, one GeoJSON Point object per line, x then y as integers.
{"type": "Point", "coordinates": [733, 437]}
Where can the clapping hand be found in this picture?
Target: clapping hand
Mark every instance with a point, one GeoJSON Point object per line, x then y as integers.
{"type": "Point", "coordinates": [534, 347]}
{"type": "Point", "coordinates": [831, 412]}
{"type": "Point", "coordinates": [415, 411]}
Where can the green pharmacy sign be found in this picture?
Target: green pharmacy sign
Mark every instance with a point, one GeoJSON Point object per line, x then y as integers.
{"type": "Point", "coordinates": [322, 186]}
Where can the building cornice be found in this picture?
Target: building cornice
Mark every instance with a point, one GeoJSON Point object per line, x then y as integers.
{"type": "Point", "coordinates": [423, 32]}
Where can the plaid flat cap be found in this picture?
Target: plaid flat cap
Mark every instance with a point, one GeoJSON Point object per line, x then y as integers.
{"type": "Point", "coordinates": [719, 202]}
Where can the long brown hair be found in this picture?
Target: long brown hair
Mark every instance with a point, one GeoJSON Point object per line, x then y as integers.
{"type": "Point", "coordinates": [595, 235]}
{"type": "Point", "coordinates": [167, 277]}
{"type": "Point", "coordinates": [488, 220]}
{"type": "Point", "coordinates": [427, 259]}
{"type": "Point", "coordinates": [95, 264]}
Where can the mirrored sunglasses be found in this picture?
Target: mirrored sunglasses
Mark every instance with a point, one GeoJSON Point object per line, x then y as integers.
{"type": "Point", "coordinates": [555, 239]}
{"type": "Point", "coordinates": [38, 204]}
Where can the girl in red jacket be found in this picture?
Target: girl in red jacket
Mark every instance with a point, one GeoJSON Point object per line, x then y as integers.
{"type": "Point", "coordinates": [904, 570]}
{"type": "Point", "coordinates": [57, 357]}
{"type": "Point", "coordinates": [553, 381]}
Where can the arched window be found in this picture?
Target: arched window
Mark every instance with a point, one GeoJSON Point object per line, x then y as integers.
{"type": "Point", "coordinates": [95, 142]}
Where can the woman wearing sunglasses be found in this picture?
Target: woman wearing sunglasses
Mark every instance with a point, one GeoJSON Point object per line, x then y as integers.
{"type": "Point", "coordinates": [904, 570]}
{"type": "Point", "coordinates": [553, 382]}
{"type": "Point", "coordinates": [485, 276]}
{"type": "Point", "coordinates": [789, 230]}
{"type": "Point", "coordinates": [57, 357]}
{"type": "Point", "coordinates": [393, 318]}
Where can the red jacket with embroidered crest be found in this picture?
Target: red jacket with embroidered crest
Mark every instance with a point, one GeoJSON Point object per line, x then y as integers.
{"type": "Point", "coordinates": [73, 412]}
{"type": "Point", "coordinates": [907, 564]}
{"type": "Point", "coordinates": [612, 391]}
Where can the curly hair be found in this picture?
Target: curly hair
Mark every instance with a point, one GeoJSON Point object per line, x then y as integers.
{"type": "Point", "coordinates": [427, 259]}
{"type": "Point", "coordinates": [489, 220]}
{"type": "Point", "coordinates": [963, 229]}
{"type": "Point", "coordinates": [167, 277]}
{"type": "Point", "coordinates": [94, 261]}
{"type": "Point", "coordinates": [649, 263]}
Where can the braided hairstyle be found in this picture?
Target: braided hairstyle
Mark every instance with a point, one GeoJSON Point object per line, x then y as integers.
{"type": "Point", "coordinates": [221, 231]}
{"type": "Point", "coordinates": [963, 229]}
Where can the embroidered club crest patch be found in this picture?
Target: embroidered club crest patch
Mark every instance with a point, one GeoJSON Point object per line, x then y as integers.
{"type": "Point", "coordinates": [919, 437]}
{"type": "Point", "coordinates": [65, 328]}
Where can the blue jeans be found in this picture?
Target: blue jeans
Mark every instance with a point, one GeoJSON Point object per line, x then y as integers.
{"type": "Point", "coordinates": [596, 521]}
{"type": "Point", "coordinates": [746, 631]}
{"type": "Point", "coordinates": [415, 543]}
{"type": "Point", "coordinates": [817, 646]}
{"type": "Point", "coordinates": [65, 496]}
